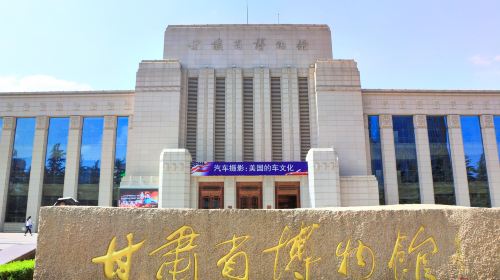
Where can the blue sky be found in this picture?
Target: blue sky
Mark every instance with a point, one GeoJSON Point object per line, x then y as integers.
{"type": "Point", "coordinates": [63, 45]}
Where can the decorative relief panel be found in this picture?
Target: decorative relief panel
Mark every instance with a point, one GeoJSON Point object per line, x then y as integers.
{"type": "Point", "coordinates": [110, 106]}
{"type": "Point", "coordinates": [8, 123]}
{"type": "Point", "coordinates": [9, 106]}
{"type": "Point", "coordinates": [453, 105]}
{"type": "Point", "coordinates": [93, 106]}
{"type": "Point", "coordinates": [487, 121]}
{"type": "Point", "coordinates": [420, 121]}
{"type": "Point", "coordinates": [436, 104]}
{"type": "Point", "coordinates": [75, 122]}
{"type": "Point", "coordinates": [486, 105]}
{"type": "Point", "coordinates": [470, 105]}
{"type": "Point", "coordinates": [453, 121]}
{"type": "Point", "coordinates": [26, 107]}
{"type": "Point", "coordinates": [402, 104]}
{"type": "Point", "coordinates": [42, 123]}
{"type": "Point", "coordinates": [385, 121]}
{"type": "Point", "coordinates": [59, 106]}
{"type": "Point", "coordinates": [386, 104]}
{"type": "Point", "coordinates": [420, 104]}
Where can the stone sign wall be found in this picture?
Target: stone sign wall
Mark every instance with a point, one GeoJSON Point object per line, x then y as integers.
{"type": "Point", "coordinates": [391, 242]}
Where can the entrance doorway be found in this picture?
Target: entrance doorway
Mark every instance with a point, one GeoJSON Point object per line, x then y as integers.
{"type": "Point", "coordinates": [249, 195]}
{"type": "Point", "coordinates": [287, 195]}
{"type": "Point", "coordinates": [211, 196]}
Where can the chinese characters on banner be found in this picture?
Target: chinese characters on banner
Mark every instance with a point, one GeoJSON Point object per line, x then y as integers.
{"type": "Point", "coordinates": [249, 168]}
{"type": "Point", "coordinates": [292, 254]}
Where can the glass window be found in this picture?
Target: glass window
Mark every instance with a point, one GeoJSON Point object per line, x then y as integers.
{"type": "Point", "coordinates": [120, 156]}
{"type": "Point", "coordinates": [1, 127]}
{"type": "Point", "coordinates": [406, 159]}
{"type": "Point", "coordinates": [17, 197]}
{"type": "Point", "coordinates": [442, 171]}
{"type": "Point", "coordinates": [90, 161]}
{"type": "Point", "coordinates": [475, 162]}
{"type": "Point", "coordinates": [376, 155]}
{"type": "Point", "coordinates": [497, 132]}
{"type": "Point", "coordinates": [55, 160]}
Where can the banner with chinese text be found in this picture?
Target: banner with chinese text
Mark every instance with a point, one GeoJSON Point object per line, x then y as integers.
{"type": "Point", "coordinates": [249, 168]}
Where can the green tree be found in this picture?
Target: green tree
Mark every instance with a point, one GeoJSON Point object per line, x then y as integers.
{"type": "Point", "coordinates": [56, 162]}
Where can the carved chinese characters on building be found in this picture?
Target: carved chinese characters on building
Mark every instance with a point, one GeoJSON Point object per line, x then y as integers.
{"type": "Point", "coordinates": [258, 44]}
{"type": "Point", "coordinates": [290, 255]}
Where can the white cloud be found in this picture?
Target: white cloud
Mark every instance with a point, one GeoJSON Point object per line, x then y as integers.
{"type": "Point", "coordinates": [38, 83]}
{"type": "Point", "coordinates": [480, 60]}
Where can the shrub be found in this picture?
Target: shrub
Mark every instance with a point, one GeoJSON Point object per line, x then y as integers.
{"type": "Point", "coordinates": [20, 270]}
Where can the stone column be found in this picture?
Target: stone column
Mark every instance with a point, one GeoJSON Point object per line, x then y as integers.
{"type": "Point", "coordinates": [205, 117]}
{"type": "Point", "coordinates": [305, 201]}
{"type": "Point", "coordinates": [458, 160]}
{"type": "Point", "coordinates": [37, 169]}
{"type": "Point", "coordinates": [6, 146]}
{"type": "Point", "coordinates": [367, 144]}
{"type": "Point", "coordinates": [313, 114]}
{"type": "Point", "coordinates": [389, 160]}
{"type": "Point", "coordinates": [268, 192]}
{"type": "Point", "coordinates": [491, 156]}
{"type": "Point", "coordinates": [230, 192]}
{"type": "Point", "coordinates": [73, 157]}
{"type": "Point", "coordinates": [262, 114]}
{"type": "Point", "coordinates": [175, 178]}
{"type": "Point", "coordinates": [234, 115]}
{"type": "Point", "coordinates": [424, 159]}
{"type": "Point", "coordinates": [107, 162]}
{"type": "Point", "coordinates": [290, 114]}
{"type": "Point", "coordinates": [324, 178]}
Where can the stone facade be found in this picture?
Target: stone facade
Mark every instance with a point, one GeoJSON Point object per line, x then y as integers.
{"type": "Point", "coordinates": [313, 89]}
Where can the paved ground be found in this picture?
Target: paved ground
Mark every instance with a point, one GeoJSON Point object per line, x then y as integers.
{"type": "Point", "coordinates": [13, 245]}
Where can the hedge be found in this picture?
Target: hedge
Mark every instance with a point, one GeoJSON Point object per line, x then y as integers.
{"type": "Point", "coordinates": [20, 270]}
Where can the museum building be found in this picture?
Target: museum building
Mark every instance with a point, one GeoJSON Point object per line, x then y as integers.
{"type": "Point", "coordinates": [248, 116]}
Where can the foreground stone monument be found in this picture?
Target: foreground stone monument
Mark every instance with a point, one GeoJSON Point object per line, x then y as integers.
{"type": "Point", "coordinates": [391, 242]}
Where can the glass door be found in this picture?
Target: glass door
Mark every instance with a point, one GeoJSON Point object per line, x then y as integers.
{"type": "Point", "coordinates": [211, 196]}
{"type": "Point", "coordinates": [287, 195]}
{"type": "Point", "coordinates": [249, 195]}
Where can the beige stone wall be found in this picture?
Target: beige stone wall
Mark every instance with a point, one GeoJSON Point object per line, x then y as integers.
{"type": "Point", "coordinates": [455, 242]}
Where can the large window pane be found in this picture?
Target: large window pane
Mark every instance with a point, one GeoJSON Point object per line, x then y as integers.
{"type": "Point", "coordinates": [55, 160]}
{"type": "Point", "coordinates": [442, 171]}
{"type": "Point", "coordinates": [90, 161]}
{"type": "Point", "coordinates": [1, 127]}
{"type": "Point", "coordinates": [475, 162]}
{"type": "Point", "coordinates": [20, 168]}
{"type": "Point", "coordinates": [406, 159]}
{"type": "Point", "coordinates": [497, 132]}
{"type": "Point", "coordinates": [376, 155]}
{"type": "Point", "coordinates": [120, 156]}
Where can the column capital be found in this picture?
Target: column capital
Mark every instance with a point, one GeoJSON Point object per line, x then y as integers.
{"type": "Point", "coordinates": [453, 121]}
{"type": "Point", "coordinates": [75, 122]}
{"type": "Point", "coordinates": [109, 122]}
{"type": "Point", "coordinates": [42, 123]}
{"type": "Point", "coordinates": [9, 123]}
{"type": "Point", "coordinates": [487, 121]}
{"type": "Point", "coordinates": [420, 121]}
{"type": "Point", "coordinates": [385, 121]}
